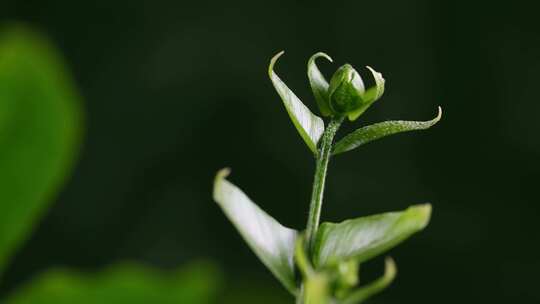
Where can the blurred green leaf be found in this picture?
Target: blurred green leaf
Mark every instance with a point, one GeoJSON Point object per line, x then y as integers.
{"type": "Point", "coordinates": [318, 83]}
{"type": "Point", "coordinates": [39, 132]}
{"type": "Point", "coordinates": [379, 130]}
{"type": "Point", "coordinates": [363, 293]}
{"type": "Point", "coordinates": [309, 125]}
{"type": "Point", "coordinates": [121, 284]}
{"type": "Point", "coordinates": [273, 243]}
{"type": "Point", "coordinates": [366, 237]}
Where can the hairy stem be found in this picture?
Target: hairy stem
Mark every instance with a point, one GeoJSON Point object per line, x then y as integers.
{"type": "Point", "coordinates": [318, 182]}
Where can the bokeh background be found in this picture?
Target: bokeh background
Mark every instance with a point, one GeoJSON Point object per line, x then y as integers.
{"type": "Point", "coordinates": [175, 91]}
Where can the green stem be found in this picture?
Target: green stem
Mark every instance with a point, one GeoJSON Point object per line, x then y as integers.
{"type": "Point", "coordinates": [318, 182]}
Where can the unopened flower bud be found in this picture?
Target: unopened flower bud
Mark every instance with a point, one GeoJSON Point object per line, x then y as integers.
{"type": "Point", "coordinates": [346, 90]}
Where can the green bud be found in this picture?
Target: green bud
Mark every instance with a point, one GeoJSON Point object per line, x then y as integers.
{"type": "Point", "coordinates": [347, 94]}
{"type": "Point", "coordinates": [346, 90]}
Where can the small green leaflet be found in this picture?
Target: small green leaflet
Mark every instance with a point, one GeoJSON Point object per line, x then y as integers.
{"type": "Point", "coordinates": [363, 293]}
{"type": "Point", "coordinates": [379, 130]}
{"type": "Point", "coordinates": [318, 83]}
{"type": "Point", "coordinates": [372, 94]}
{"type": "Point", "coordinates": [366, 237]}
{"type": "Point", "coordinates": [309, 125]}
{"type": "Point", "coordinates": [379, 83]}
{"type": "Point", "coordinates": [273, 243]}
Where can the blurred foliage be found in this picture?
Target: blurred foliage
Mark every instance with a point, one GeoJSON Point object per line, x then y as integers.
{"type": "Point", "coordinates": [40, 128]}
{"type": "Point", "coordinates": [121, 284]}
{"type": "Point", "coordinates": [40, 131]}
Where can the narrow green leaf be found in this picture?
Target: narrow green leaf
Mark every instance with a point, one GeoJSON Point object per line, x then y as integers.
{"type": "Point", "coordinates": [273, 243]}
{"type": "Point", "coordinates": [379, 130]}
{"type": "Point", "coordinates": [121, 284]}
{"type": "Point", "coordinates": [366, 237]}
{"type": "Point", "coordinates": [371, 95]}
{"type": "Point", "coordinates": [365, 292]}
{"type": "Point", "coordinates": [40, 130]}
{"type": "Point", "coordinates": [309, 125]}
{"type": "Point", "coordinates": [318, 83]}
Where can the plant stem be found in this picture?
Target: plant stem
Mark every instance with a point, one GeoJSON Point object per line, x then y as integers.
{"type": "Point", "coordinates": [319, 180]}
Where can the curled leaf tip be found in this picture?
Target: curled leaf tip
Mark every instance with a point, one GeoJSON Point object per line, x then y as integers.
{"type": "Point", "coordinates": [423, 214]}
{"type": "Point", "coordinates": [321, 54]}
{"type": "Point", "coordinates": [372, 70]}
{"type": "Point", "coordinates": [435, 120]}
{"type": "Point", "coordinates": [379, 79]}
{"type": "Point", "coordinates": [273, 62]}
{"type": "Point", "coordinates": [439, 114]}
{"type": "Point", "coordinates": [223, 173]}
{"type": "Point", "coordinates": [218, 180]}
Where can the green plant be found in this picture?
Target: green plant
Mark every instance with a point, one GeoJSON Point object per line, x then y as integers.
{"type": "Point", "coordinates": [328, 256]}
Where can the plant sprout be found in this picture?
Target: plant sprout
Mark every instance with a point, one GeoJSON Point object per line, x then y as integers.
{"type": "Point", "coordinates": [327, 255]}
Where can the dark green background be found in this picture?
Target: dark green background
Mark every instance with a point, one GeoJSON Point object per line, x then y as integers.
{"type": "Point", "coordinates": [175, 91]}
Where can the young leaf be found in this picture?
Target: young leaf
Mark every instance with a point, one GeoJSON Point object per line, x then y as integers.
{"type": "Point", "coordinates": [318, 83]}
{"type": "Point", "coordinates": [371, 95]}
{"type": "Point", "coordinates": [373, 132]}
{"type": "Point", "coordinates": [309, 125]}
{"type": "Point", "coordinates": [378, 89]}
{"type": "Point", "coordinates": [121, 284]}
{"type": "Point", "coordinates": [273, 243]}
{"type": "Point", "coordinates": [365, 292]}
{"type": "Point", "coordinates": [366, 237]}
{"type": "Point", "coordinates": [40, 131]}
